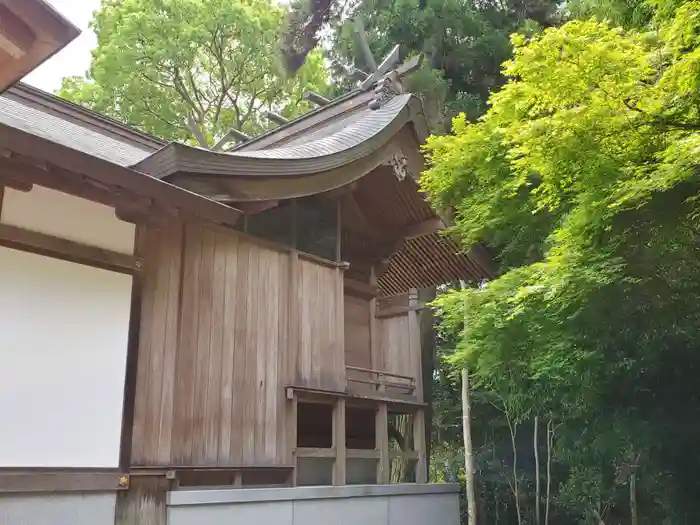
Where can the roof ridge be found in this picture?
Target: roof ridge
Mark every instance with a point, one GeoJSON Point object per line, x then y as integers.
{"type": "Point", "coordinates": [85, 116]}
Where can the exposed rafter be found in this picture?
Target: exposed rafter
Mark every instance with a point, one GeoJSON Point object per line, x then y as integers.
{"type": "Point", "coordinates": [277, 119]}
{"type": "Point", "coordinates": [317, 99]}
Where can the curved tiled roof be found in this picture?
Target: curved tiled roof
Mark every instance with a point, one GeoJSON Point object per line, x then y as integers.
{"type": "Point", "coordinates": [339, 143]}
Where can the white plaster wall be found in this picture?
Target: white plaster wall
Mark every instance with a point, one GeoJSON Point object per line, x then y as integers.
{"type": "Point", "coordinates": [63, 342]}
{"type": "Point", "coordinates": [69, 217]}
{"type": "Point", "coordinates": [58, 509]}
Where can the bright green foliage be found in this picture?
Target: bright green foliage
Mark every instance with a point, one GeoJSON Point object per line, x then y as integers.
{"type": "Point", "coordinates": [583, 179]}
{"type": "Point", "coordinates": [191, 69]}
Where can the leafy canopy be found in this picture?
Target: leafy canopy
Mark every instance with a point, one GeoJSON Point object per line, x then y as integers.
{"type": "Point", "coordinates": [191, 70]}
{"type": "Point", "coordinates": [583, 178]}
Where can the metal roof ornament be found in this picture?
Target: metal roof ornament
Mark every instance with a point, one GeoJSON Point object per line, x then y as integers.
{"type": "Point", "coordinates": [399, 164]}
{"type": "Point", "coordinates": [386, 89]}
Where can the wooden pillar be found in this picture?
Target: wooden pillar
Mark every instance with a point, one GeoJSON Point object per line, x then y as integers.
{"type": "Point", "coordinates": [382, 439]}
{"type": "Point", "coordinates": [292, 411]}
{"type": "Point", "coordinates": [414, 342]}
{"type": "Point", "coordinates": [143, 502]}
{"type": "Point", "coordinates": [419, 445]}
{"type": "Point", "coordinates": [374, 348]}
{"type": "Point", "coordinates": [339, 443]}
{"type": "Point", "coordinates": [292, 356]}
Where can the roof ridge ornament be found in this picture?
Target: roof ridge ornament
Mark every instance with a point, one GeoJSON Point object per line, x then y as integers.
{"type": "Point", "coordinates": [386, 89]}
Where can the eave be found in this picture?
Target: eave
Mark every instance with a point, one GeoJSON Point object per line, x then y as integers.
{"type": "Point", "coordinates": [59, 167]}
{"type": "Point", "coordinates": [321, 161]}
{"type": "Point", "coordinates": [31, 31]}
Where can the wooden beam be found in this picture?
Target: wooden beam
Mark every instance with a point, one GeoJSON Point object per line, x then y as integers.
{"type": "Point", "coordinates": [132, 357]}
{"type": "Point", "coordinates": [20, 174]}
{"type": "Point", "coordinates": [339, 443]}
{"type": "Point", "coordinates": [311, 395]}
{"type": "Point", "coordinates": [312, 452]}
{"type": "Point", "coordinates": [337, 193]}
{"type": "Point", "coordinates": [315, 98]}
{"type": "Point", "coordinates": [360, 288]}
{"type": "Point", "coordinates": [277, 119]}
{"type": "Point", "coordinates": [355, 453]}
{"type": "Point", "coordinates": [16, 37]}
{"type": "Point", "coordinates": [40, 243]}
{"type": "Point", "coordinates": [293, 409]}
{"type": "Point", "coordinates": [382, 444]}
{"type": "Point", "coordinates": [399, 309]}
{"type": "Point", "coordinates": [420, 446]}
{"type": "Point", "coordinates": [68, 480]}
{"type": "Point", "coordinates": [375, 350]}
{"type": "Point", "coordinates": [82, 166]}
{"type": "Point", "coordinates": [424, 228]}
{"type": "Point", "coordinates": [16, 184]}
{"type": "Point", "coordinates": [250, 208]}
{"type": "Point", "coordinates": [414, 342]}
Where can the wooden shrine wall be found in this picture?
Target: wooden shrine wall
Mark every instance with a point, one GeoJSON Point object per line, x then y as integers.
{"type": "Point", "coordinates": [227, 322]}
{"type": "Point", "coordinates": [399, 346]}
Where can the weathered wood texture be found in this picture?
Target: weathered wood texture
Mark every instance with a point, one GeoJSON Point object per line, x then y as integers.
{"type": "Point", "coordinates": [399, 347]}
{"type": "Point", "coordinates": [227, 323]}
{"type": "Point", "coordinates": [358, 343]}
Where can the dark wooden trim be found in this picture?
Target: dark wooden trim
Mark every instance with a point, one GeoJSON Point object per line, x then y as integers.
{"type": "Point", "coordinates": [353, 287]}
{"type": "Point", "coordinates": [306, 394]}
{"type": "Point", "coordinates": [132, 359]}
{"type": "Point", "coordinates": [2, 197]}
{"type": "Point", "coordinates": [143, 470]}
{"type": "Point", "coordinates": [393, 311]}
{"type": "Point", "coordinates": [61, 480]}
{"type": "Point", "coordinates": [42, 244]}
{"type": "Point", "coordinates": [323, 262]}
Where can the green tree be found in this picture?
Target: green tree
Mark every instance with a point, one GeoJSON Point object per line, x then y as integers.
{"type": "Point", "coordinates": [464, 42]}
{"type": "Point", "coordinates": [583, 178]}
{"type": "Point", "coordinates": [191, 70]}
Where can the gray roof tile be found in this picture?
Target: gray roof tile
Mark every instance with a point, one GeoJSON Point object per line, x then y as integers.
{"type": "Point", "coordinates": [35, 120]}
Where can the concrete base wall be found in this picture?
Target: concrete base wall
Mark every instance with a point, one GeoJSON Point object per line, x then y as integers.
{"type": "Point", "coordinates": [58, 509]}
{"type": "Point", "coordinates": [352, 505]}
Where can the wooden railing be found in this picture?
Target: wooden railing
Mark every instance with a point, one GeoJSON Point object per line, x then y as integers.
{"type": "Point", "coordinates": [381, 381]}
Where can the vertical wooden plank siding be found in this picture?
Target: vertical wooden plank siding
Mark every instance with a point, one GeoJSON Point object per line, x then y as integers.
{"type": "Point", "coordinates": [320, 359]}
{"type": "Point", "coordinates": [395, 345]}
{"type": "Point", "coordinates": [157, 345]}
{"type": "Point", "coordinates": [226, 324]}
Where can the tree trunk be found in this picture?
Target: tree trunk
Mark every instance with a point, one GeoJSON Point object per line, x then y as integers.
{"type": "Point", "coordinates": [468, 453]}
{"type": "Point", "coordinates": [550, 442]}
{"type": "Point", "coordinates": [535, 445]}
{"type": "Point", "coordinates": [633, 497]}
{"type": "Point", "coordinates": [513, 428]}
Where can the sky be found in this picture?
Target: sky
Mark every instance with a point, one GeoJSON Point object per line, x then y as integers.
{"type": "Point", "coordinates": [74, 59]}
